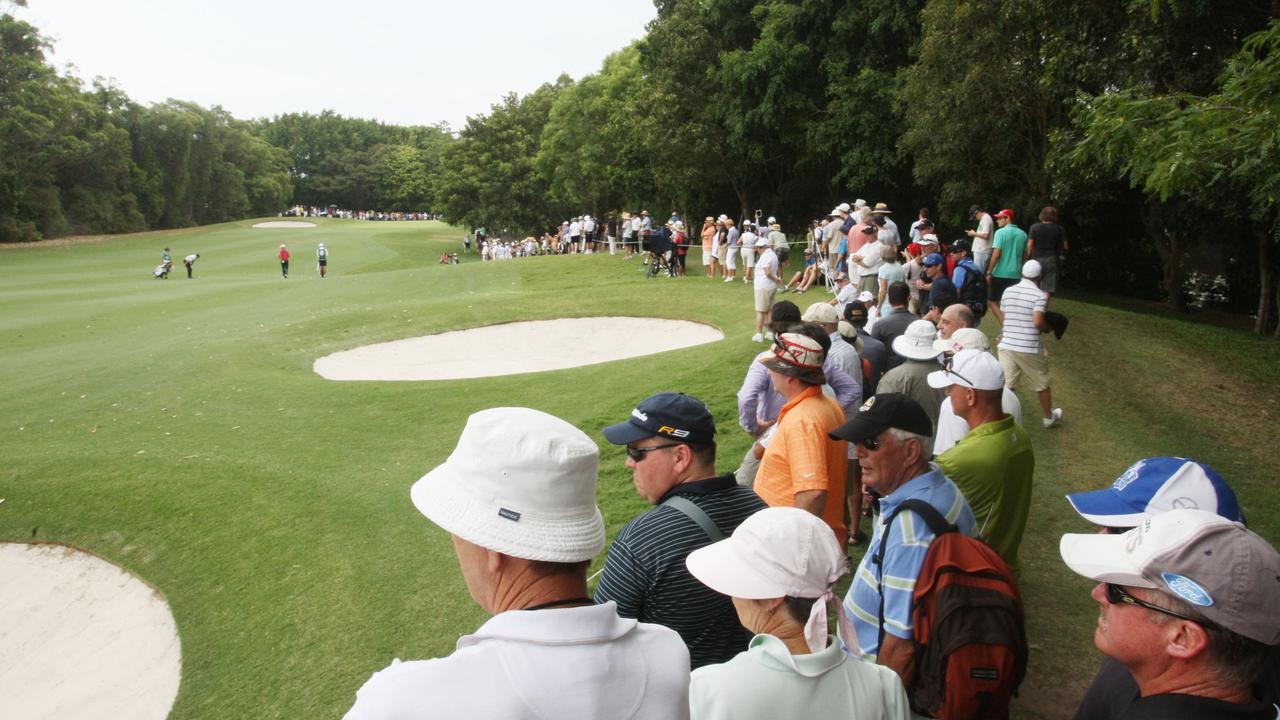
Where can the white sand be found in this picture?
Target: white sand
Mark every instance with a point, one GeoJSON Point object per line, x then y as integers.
{"type": "Point", "coordinates": [284, 224]}
{"type": "Point", "coordinates": [82, 638]}
{"type": "Point", "coordinates": [515, 348]}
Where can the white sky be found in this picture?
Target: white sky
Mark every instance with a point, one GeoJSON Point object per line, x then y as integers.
{"type": "Point", "coordinates": [407, 62]}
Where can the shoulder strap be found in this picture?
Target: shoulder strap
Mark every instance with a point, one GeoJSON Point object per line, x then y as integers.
{"type": "Point", "coordinates": [937, 524]}
{"type": "Point", "coordinates": [696, 514]}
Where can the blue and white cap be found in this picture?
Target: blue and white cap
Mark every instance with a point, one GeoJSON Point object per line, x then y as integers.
{"type": "Point", "coordinates": [1156, 485]}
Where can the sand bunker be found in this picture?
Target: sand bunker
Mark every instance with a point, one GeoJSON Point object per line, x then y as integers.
{"type": "Point", "coordinates": [515, 348]}
{"type": "Point", "coordinates": [82, 638]}
{"type": "Point", "coordinates": [284, 224]}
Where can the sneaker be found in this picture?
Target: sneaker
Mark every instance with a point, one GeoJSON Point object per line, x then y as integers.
{"type": "Point", "coordinates": [1053, 418]}
{"type": "Point", "coordinates": [757, 338]}
{"type": "Point", "coordinates": [768, 336]}
{"type": "Point", "coordinates": [728, 279]}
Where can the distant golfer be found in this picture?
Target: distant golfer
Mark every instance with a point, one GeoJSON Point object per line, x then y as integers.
{"type": "Point", "coordinates": [189, 261]}
{"type": "Point", "coordinates": [322, 259]}
{"type": "Point", "coordinates": [284, 262]}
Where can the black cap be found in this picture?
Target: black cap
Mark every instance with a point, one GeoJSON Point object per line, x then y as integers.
{"type": "Point", "coordinates": [884, 411]}
{"type": "Point", "coordinates": [666, 414]}
{"type": "Point", "coordinates": [869, 229]}
{"type": "Point", "coordinates": [855, 311]}
{"type": "Point", "coordinates": [961, 246]}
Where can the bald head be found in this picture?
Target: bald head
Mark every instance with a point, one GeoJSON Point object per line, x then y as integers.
{"type": "Point", "coordinates": [953, 318]}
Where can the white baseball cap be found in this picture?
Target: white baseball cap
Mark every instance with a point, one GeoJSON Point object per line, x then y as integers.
{"type": "Point", "coordinates": [866, 296]}
{"type": "Point", "coordinates": [762, 241]}
{"type": "Point", "coordinates": [929, 239]}
{"type": "Point", "coordinates": [975, 369]}
{"type": "Point", "coordinates": [520, 482]}
{"type": "Point", "coordinates": [1228, 573]}
{"type": "Point", "coordinates": [778, 552]}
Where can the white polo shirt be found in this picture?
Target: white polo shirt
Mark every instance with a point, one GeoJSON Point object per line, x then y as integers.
{"type": "Point", "coordinates": [582, 662]}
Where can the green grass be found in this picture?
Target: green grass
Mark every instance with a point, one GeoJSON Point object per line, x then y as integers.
{"type": "Point", "coordinates": [176, 428]}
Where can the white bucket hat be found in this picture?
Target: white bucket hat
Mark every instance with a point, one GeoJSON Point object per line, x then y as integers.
{"type": "Point", "coordinates": [779, 552]}
{"type": "Point", "coordinates": [520, 482]}
{"type": "Point", "coordinates": [917, 342]}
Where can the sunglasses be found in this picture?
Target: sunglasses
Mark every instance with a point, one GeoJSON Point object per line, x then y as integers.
{"type": "Point", "coordinates": [639, 454]}
{"type": "Point", "coordinates": [1117, 594]}
{"type": "Point", "coordinates": [948, 368]}
{"type": "Point", "coordinates": [869, 443]}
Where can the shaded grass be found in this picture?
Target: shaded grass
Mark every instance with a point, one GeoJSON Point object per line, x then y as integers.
{"type": "Point", "coordinates": [175, 427]}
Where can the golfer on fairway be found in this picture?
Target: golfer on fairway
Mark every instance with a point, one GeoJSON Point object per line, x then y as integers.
{"type": "Point", "coordinates": [518, 496]}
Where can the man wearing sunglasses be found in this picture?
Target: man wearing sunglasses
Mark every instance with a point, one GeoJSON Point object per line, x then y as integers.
{"type": "Point", "coordinates": [891, 432]}
{"type": "Point", "coordinates": [671, 452]}
{"type": "Point", "coordinates": [1188, 605]}
{"type": "Point", "coordinates": [993, 463]}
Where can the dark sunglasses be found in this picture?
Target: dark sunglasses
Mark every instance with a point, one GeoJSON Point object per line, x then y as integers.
{"type": "Point", "coordinates": [639, 454]}
{"type": "Point", "coordinates": [869, 443]}
{"type": "Point", "coordinates": [948, 368]}
{"type": "Point", "coordinates": [1117, 594]}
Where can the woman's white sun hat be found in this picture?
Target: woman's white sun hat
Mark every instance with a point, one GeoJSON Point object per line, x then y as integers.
{"type": "Point", "coordinates": [917, 342]}
{"type": "Point", "coordinates": [520, 482]}
{"type": "Point", "coordinates": [779, 552]}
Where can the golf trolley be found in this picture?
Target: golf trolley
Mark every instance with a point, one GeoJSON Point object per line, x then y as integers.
{"type": "Point", "coordinates": [661, 262]}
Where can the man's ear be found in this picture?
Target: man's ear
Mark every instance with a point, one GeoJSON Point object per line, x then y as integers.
{"type": "Point", "coordinates": [1185, 640]}
{"type": "Point", "coordinates": [494, 561]}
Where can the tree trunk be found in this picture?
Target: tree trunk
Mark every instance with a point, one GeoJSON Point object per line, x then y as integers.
{"type": "Point", "coordinates": [1170, 248]}
{"type": "Point", "coordinates": [1265, 282]}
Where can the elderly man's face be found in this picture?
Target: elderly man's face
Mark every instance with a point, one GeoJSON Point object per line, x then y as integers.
{"type": "Point", "coordinates": [656, 471]}
{"type": "Point", "coordinates": [890, 465]}
{"type": "Point", "coordinates": [950, 322]}
{"type": "Point", "coordinates": [1127, 632]}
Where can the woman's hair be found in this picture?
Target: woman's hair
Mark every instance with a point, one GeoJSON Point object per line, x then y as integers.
{"type": "Point", "coordinates": [889, 254]}
{"type": "Point", "coordinates": [1049, 214]}
{"type": "Point", "coordinates": [799, 608]}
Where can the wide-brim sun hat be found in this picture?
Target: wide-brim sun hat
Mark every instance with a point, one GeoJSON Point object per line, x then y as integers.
{"type": "Point", "coordinates": [520, 482]}
{"type": "Point", "coordinates": [963, 339]}
{"type": "Point", "coordinates": [917, 342]}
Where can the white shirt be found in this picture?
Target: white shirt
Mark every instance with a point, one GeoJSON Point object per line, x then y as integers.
{"type": "Point", "coordinates": [766, 681]}
{"type": "Point", "coordinates": [575, 228]}
{"type": "Point", "coordinates": [189, 259]}
{"type": "Point", "coordinates": [952, 427]}
{"type": "Point", "coordinates": [766, 264]}
{"type": "Point", "coordinates": [982, 244]}
{"type": "Point", "coordinates": [870, 254]}
{"type": "Point", "coordinates": [583, 662]}
{"type": "Point", "coordinates": [844, 296]}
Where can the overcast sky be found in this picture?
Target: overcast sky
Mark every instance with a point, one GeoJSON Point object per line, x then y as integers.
{"type": "Point", "coordinates": [402, 61]}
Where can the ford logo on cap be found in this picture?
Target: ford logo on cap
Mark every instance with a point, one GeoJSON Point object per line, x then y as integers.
{"type": "Point", "coordinates": [1187, 589]}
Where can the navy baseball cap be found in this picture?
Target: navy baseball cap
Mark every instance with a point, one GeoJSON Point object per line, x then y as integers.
{"type": "Point", "coordinates": [666, 414]}
{"type": "Point", "coordinates": [881, 412]}
{"type": "Point", "coordinates": [1156, 485]}
{"type": "Point", "coordinates": [932, 259]}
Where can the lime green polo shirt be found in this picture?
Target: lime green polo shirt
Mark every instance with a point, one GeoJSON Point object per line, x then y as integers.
{"type": "Point", "coordinates": [993, 466]}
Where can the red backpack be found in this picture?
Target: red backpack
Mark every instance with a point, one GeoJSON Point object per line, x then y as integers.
{"type": "Point", "coordinates": [970, 632]}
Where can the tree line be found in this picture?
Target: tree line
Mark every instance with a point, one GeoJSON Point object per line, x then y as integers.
{"type": "Point", "coordinates": [1151, 124]}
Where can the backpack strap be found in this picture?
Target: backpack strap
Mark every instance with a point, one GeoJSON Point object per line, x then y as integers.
{"type": "Point", "coordinates": [696, 514]}
{"type": "Point", "coordinates": [938, 525]}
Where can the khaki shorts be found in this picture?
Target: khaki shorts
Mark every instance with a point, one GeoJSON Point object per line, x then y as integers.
{"type": "Point", "coordinates": [764, 300]}
{"type": "Point", "coordinates": [721, 252]}
{"type": "Point", "coordinates": [1034, 366]}
{"type": "Point", "coordinates": [749, 256]}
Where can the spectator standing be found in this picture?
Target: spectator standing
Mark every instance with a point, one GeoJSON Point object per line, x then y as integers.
{"type": "Point", "coordinates": [767, 281]}
{"type": "Point", "coordinates": [1008, 252]}
{"type": "Point", "coordinates": [993, 464]}
{"type": "Point", "coordinates": [284, 262]}
{"type": "Point", "coordinates": [518, 497]}
{"type": "Point", "coordinates": [981, 237]}
{"type": "Point", "coordinates": [896, 320]}
{"type": "Point", "coordinates": [1022, 354]}
{"type": "Point", "coordinates": [866, 262]}
{"type": "Point", "coordinates": [889, 432]}
{"type": "Point", "coordinates": [959, 334]}
{"type": "Point", "coordinates": [710, 266]}
{"type": "Point", "coordinates": [629, 227]}
{"type": "Point", "coordinates": [890, 272]}
{"type": "Point", "coordinates": [779, 567]}
{"type": "Point", "coordinates": [1187, 605]}
{"type": "Point", "coordinates": [1047, 244]}
{"type": "Point", "coordinates": [732, 246]}
{"type": "Point", "coordinates": [671, 453]}
{"type": "Point", "coordinates": [748, 249]}
{"type": "Point", "coordinates": [802, 467]}
{"type": "Point", "coordinates": [874, 352]}
{"type": "Point", "coordinates": [911, 376]}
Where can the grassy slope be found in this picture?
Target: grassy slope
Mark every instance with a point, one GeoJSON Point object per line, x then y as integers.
{"type": "Point", "coordinates": [175, 427]}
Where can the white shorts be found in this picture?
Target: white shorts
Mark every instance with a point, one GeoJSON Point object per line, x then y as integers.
{"type": "Point", "coordinates": [749, 256]}
{"type": "Point", "coordinates": [731, 259]}
{"type": "Point", "coordinates": [707, 256]}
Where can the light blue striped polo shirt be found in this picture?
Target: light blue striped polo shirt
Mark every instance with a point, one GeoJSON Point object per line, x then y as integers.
{"type": "Point", "coordinates": [908, 542]}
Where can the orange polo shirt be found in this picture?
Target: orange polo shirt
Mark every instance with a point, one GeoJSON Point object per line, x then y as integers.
{"type": "Point", "coordinates": [801, 457]}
